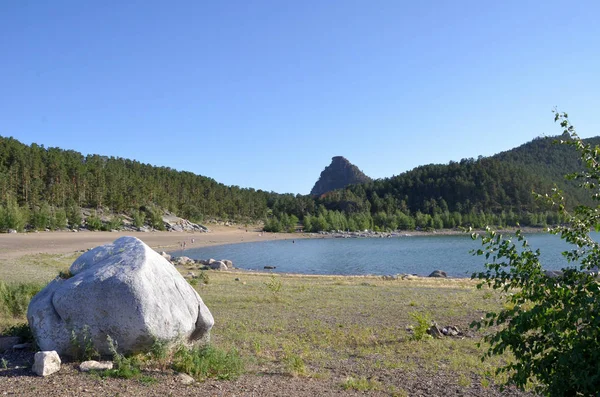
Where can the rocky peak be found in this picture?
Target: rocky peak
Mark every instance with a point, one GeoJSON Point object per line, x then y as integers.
{"type": "Point", "coordinates": [339, 174]}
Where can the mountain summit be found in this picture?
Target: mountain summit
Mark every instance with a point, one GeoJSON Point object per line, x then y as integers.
{"type": "Point", "coordinates": [339, 174]}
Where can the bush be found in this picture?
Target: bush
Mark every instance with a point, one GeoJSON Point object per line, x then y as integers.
{"type": "Point", "coordinates": [550, 324]}
{"type": "Point", "coordinates": [139, 218]}
{"type": "Point", "coordinates": [12, 217]}
{"type": "Point", "coordinates": [208, 362]}
{"type": "Point", "coordinates": [82, 345]}
{"type": "Point", "coordinates": [21, 330]}
{"type": "Point", "coordinates": [59, 219]}
{"type": "Point", "coordinates": [41, 217]}
{"type": "Point", "coordinates": [93, 222]}
{"type": "Point", "coordinates": [15, 298]}
{"type": "Point", "coordinates": [154, 216]}
{"type": "Point", "coordinates": [124, 367]}
{"type": "Point", "coordinates": [74, 216]}
{"type": "Point", "coordinates": [423, 324]}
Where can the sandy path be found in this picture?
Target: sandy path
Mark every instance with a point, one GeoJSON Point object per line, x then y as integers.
{"type": "Point", "coordinates": [19, 244]}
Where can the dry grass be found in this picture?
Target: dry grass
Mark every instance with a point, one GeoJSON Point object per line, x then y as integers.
{"type": "Point", "coordinates": [37, 268]}
{"type": "Point", "coordinates": [343, 329]}
{"type": "Point", "coordinates": [346, 326]}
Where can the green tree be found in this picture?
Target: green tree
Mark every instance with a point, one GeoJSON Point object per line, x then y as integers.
{"type": "Point", "coordinates": [74, 217]}
{"type": "Point", "coordinates": [550, 322]}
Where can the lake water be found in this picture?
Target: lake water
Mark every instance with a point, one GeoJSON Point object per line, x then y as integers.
{"type": "Point", "coordinates": [378, 256]}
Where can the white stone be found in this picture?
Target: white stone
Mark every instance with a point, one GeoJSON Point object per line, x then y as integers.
{"type": "Point", "coordinates": [92, 365]}
{"type": "Point", "coordinates": [46, 363]}
{"type": "Point", "coordinates": [124, 290]}
{"type": "Point", "coordinates": [185, 379]}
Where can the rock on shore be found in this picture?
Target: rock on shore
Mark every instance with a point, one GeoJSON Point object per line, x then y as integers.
{"type": "Point", "coordinates": [124, 290]}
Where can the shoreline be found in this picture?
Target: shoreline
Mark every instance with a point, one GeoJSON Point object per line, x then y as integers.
{"type": "Point", "coordinates": [14, 248]}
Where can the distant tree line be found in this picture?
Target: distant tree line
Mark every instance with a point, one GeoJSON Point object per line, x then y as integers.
{"type": "Point", "coordinates": [47, 188]}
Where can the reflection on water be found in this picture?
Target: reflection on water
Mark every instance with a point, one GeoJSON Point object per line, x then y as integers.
{"type": "Point", "coordinates": [400, 255]}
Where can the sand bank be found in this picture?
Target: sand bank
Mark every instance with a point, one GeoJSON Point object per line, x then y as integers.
{"type": "Point", "coordinates": [19, 244]}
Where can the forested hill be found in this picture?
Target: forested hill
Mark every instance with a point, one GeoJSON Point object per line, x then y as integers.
{"type": "Point", "coordinates": [488, 190]}
{"type": "Point", "coordinates": [34, 177]}
{"type": "Point", "coordinates": [47, 188]}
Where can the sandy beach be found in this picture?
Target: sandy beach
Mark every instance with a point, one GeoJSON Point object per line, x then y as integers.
{"type": "Point", "coordinates": [19, 244]}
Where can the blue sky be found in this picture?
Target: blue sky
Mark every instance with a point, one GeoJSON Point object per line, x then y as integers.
{"type": "Point", "coordinates": [263, 93]}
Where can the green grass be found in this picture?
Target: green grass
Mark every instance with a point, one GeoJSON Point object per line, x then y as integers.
{"type": "Point", "coordinates": [208, 362]}
{"type": "Point", "coordinates": [321, 325]}
{"type": "Point", "coordinates": [360, 384]}
{"type": "Point", "coordinates": [14, 300]}
{"type": "Point", "coordinates": [325, 327]}
{"type": "Point", "coordinates": [37, 268]}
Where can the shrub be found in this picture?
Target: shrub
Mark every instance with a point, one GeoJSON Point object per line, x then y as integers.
{"type": "Point", "coordinates": [124, 367]}
{"type": "Point", "coordinates": [550, 324]}
{"type": "Point", "coordinates": [15, 298]}
{"type": "Point", "coordinates": [423, 324]}
{"type": "Point", "coordinates": [74, 216]}
{"type": "Point", "coordinates": [274, 285]}
{"type": "Point", "coordinates": [21, 330]}
{"type": "Point", "coordinates": [82, 345]}
{"type": "Point", "coordinates": [208, 362]}
{"type": "Point", "coordinates": [139, 218]}
{"type": "Point", "coordinates": [93, 222]}
{"type": "Point", "coordinates": [12, 217]}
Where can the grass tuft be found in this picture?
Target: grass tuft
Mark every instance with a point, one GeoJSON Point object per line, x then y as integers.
{"type": "Point", "coordinates": [208, 362]}
{"type": "Point", "coordinates": [15, 298]}
{"type": "Point", "coordinates": [360, 384]}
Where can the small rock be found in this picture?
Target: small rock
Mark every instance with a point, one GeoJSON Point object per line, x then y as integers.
{"type": "Point", "coordinates": [451, 330]}
{"type": "Point", "coordinates": [185, 379]}
{"type": "Point", "coordinates": [438, 273]}
{"type": "Point", "coordinates": [8, 342]}
{"type": "Point", "coordinates": [12, 231]}
{"type": "Point", "coordinates": [227, 262]}
{"type": "Point", "coordinates": [22, 346]}
{"type": "Point", "coordinates": [87, 366]}
{"type": "Point", "coordinates": [237, 279]}
{"type": "Point", "coordinates": [46, 363]}
{"type": "Point", "coordinates": [165, 255]}
{"type": "Point", "coordinates": [435, 331]}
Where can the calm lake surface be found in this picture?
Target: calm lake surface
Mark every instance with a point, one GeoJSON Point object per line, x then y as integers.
{"type": "Point", "coordinates": [378, 256]}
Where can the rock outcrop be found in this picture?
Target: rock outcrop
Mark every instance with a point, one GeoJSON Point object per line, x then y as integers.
{"type": "Point", "coordinates": [339, 174]}
{"type": "Point", "coordinates": [124, 290]}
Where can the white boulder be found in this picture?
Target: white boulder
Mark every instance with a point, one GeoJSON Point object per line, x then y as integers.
{"type": "Point", "coordinates": [46, 363]}
{"type": "Point", "coordinates": [124, 290]}
{"type": "Point", "coordinates": [218, 265]}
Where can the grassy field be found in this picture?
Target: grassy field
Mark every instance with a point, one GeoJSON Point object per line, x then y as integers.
{"type": "Point", "coordinates": [354, 327]}
{"type": "Point", "coordinates": [359, 333]}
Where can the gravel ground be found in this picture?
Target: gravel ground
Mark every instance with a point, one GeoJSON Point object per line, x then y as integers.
{"type": "Point", "coordinates": [18, 380]}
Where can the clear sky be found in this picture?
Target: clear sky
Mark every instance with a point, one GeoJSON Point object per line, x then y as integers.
{"type": "Point", "coordinates": [263, 93]}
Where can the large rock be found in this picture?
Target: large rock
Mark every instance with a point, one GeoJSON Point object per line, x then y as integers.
{"type": "Point", "coordinates": [218, 265]}
{"type": "Point", "coordinates": [124, 290]}
{"type": "Point", "coordinates": [46, 363]}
